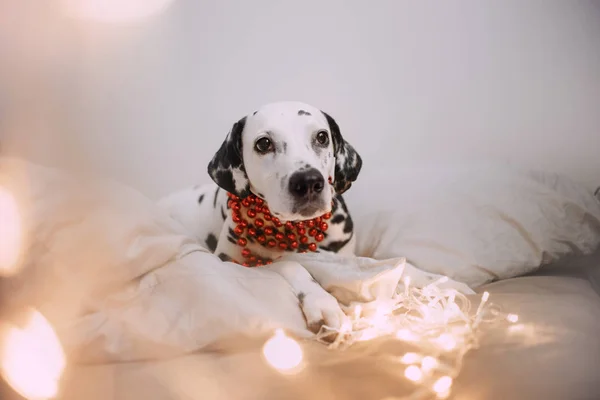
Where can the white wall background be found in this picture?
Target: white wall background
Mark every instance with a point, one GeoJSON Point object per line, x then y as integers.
{"type": "Point", "coordinates": [516, 81]}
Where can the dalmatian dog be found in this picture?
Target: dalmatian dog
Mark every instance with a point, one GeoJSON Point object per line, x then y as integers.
{"type": "Point", "coordinates": [292, 157]}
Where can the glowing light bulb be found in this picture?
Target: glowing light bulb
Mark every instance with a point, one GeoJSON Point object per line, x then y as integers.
{"type": "Point", "coordinates": [428, 363]}
{"type": "Point", "coordinates": [32, 359]}
{"type": "Point", "coordinates": [406, 335]}
{"type": "Point", "coordinates": [512, 318]}
{"type": "Point", "coordinates": [442, 385]}
{"type": "Point", "coordinates": [413, 373]}
{"type": "Point", "coordinates": [447, 341]}
{"type": "Point", "coordinates": [282, 352]}
{"type": "Point", "coordinates": [409, 358]}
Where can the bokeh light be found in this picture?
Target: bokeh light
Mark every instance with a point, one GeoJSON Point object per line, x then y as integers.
{"type": "Point", "coordinates": [114, 11]}
{"type": "Point", "coordinates": [32, 359]}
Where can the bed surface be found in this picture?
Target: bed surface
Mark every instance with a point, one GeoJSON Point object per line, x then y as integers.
{"type": "Point", "coordinates": [552, 355]}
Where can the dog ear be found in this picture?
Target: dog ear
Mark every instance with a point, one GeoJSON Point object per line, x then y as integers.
{"type": "Point", "coordinates": [347, 161]}
{"type": "Point", "coordinates": [227, 166]}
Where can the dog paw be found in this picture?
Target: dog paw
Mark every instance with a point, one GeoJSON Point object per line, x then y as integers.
{"type": "Point", "coordinates": [321, 308]}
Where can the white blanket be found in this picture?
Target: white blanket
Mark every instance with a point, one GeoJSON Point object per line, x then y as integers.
{"type": "Point", "coordinates": [119, 280]}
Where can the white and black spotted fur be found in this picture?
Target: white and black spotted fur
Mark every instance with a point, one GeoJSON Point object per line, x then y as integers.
{"type": "Point", "coordinates": [235, 169]}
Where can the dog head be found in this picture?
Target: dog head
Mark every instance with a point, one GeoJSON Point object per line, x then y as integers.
{"type": "Point", "coordinates": [290, 154]}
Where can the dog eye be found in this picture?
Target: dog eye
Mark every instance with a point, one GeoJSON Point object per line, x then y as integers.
{"type": "Point", "coordinates": [323, 138]}
{"type": "Point", "coordinates": [263, 145]}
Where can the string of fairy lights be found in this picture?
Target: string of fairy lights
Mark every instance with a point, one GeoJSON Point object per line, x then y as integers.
{"type": "Point", "coordinates": [435, 323]}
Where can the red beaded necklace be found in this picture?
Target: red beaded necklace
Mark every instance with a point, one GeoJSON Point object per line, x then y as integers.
{"type": "Point", "coordinates": [270, 232]}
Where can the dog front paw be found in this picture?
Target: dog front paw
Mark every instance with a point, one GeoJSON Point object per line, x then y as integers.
{"type": "Point", "coordinates": [321, 308]}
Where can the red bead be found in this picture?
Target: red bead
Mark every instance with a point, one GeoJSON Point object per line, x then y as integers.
{"type": "Point", "coordinates": [238, 230]}
{"type": "Point", "coordinates": [312, 247]}
{"type": "Point", "coordinates": [289, 225]}
{"type": "Point", "coordinates": [258, 209]}
{"type": "Point", "coordinates": [268, 217]}
{"type": "Point", "coordinates": [271, 243]}
{"type": "Point", "coordinates": [246, 202]}
{"type": "Point", "coordinates": [324, 226]}
{"type": "Point", "coordinates": [236, 217]}
{"type": "Point", "coordinates": [242, 242]}
{"type": "Point", "coordinates": [300, 224]}
{"type": "Point", "coordinates": [312, 232]}
{"type": "Point", "coordinates": [311, 223]}
{"type": "Point", "coordinates": [236, 205]}
{"type": "Point", "coordinates": [303, 239]}
{"type": "Point", "coordinates": [229, 203]}
{"type": "Point", "coordinates": [252, 231]}
{"type": "Point", "coordinates": [294, 245]}
{"type": "Point", "coordinates": [283, 245]}
{"type": "Point", "coordinates": [251, 213]}
{"type": "Point", "coordinates": [302, 231]}
{"type": "Point", "coordinates": [259, 223]}
{"type": "Point", "coordinates": [252, 258]}
{"type": "Point", "coordinates": [319, 237]}
{"type": "Point", "coordinates": [259, 201]}
{"type": "Point", "coordinates": [268, 230]}
{"type": "Point", "coordinates": [269, 262]}
{"type": "Point", "coordinates": [246, 264]}
{"type": "Point", "coordinates": [245, 253]}
{"type": "Point", "coordinates": [291, 236]}
{"type": "Point", "coordinates": [327, 215]}
{"type": "Point", "coordinates": [278, 224]}
{"type": "Point", "coordinates": [261, 239]}
{"type": "Point", "coordinates": [276, 220]}
{"type": "Point", "coordinates": [259, 263]}
{"type": "Point", "coordinates": [244, 223]}
{"type": "Point", "coordinates": [252, 198]}
{"type": "Point", "coordinates": [318, 220]}
{"type": "Point", "coordinates": [279, 236]}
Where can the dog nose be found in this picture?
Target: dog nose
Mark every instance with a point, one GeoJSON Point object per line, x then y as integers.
{"type": "Point", "coordinates": [305, 183]}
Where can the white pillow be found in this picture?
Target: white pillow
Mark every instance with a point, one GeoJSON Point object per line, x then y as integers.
{"type": "Point", "coordinates": [474, 224]}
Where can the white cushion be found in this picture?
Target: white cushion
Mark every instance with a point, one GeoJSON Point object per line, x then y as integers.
{"type": "Point", "coordinates": [473, 223]}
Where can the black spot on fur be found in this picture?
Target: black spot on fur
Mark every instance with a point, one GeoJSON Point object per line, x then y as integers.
{"type": "Point", "coordinates": [231, 240]}
{"type": "Point", "coordinates": [349, 225]}
{"type": "Point", "coordinates": [233, 234]}
{"type": "Point", "coordinates": [223, 214]}
{"type": "Point", "coordinates": [200, 199]}
{"type": "Point", "coordinates": [338, 219]}
{"type": "Point", "coordinates": [224, 257]}
{"type": "Point", "coordinates": [302, 112]}
{"type": "Point", "coordinates": [337, 245]}
{"type": "Point", "coordinates": [254, 113]}
{"type": "Point", "coordinates": [215, 199]}
{"type": "Point", "coordinates": [211, 242]}
{"type": "Point", "coordinates": [301, 297]}
{"type": "Point", "coordinates": [284, 145]}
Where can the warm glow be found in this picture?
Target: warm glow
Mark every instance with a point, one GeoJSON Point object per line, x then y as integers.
{"type": "Point", "coordinates": [447, 341]}
{"type": "Point", "coordinates": [413, 373]}
{"type": "Point", "coordinates": [32, 359]}
{"type": "Point", "coordinates": [114, 11]}
{"type": "Point", "coordinates": [513, 318]}
{"type": "Point", "coordinates": [10, 234]}
{"type": "Point", "coordinates": [406, 335]}
{"type": "Point", "coordinates": [428, 363]}
{"type": "Point", "coordinates": [442, 385]}
{"type": "Point", "coordinates": [282, 352]}
{"type": "Point", "coordinates": [409, 358]}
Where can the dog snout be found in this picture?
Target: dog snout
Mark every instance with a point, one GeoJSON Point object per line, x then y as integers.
{"type": "Point", "coordinates": [303, 184]}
